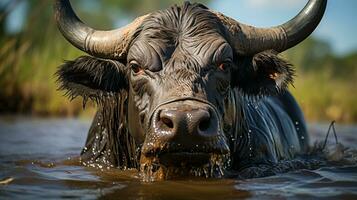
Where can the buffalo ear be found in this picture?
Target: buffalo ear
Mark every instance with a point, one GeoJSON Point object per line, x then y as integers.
{"type": "Point", "coordinates": [91, 77]}
{"type": "Point", "coordinates": [265, 73]}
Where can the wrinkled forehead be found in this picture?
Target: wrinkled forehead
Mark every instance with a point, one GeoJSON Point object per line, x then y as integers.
{"type": "Point", "coordinates": [173, 33]}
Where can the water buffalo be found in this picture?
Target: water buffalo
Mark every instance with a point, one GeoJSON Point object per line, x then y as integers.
{"type": "Point", "coordinates": [187, 90]}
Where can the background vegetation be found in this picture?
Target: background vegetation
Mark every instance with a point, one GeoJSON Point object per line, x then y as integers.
{"type": "Point", "coordinates": [324, 87]}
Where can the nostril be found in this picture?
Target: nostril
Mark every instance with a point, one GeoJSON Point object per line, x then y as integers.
{"type": "Point", "coordinates": [204, 124]}
{"type": "Point", "coordinates": [168, 122]}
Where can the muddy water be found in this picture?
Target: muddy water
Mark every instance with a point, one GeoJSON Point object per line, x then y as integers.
{"type": "Point", "coordinates": [32, 167]}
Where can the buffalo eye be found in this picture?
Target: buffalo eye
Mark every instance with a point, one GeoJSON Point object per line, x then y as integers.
{"type": "Point", "coordinates": [136, 68]}
{"type": "Point", "coordinates": [224, 65]}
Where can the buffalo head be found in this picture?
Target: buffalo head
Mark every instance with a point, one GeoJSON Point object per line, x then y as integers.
{"type": "Point", "coordinates": [178, 68]}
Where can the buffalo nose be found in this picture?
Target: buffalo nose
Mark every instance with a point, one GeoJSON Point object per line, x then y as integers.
{"type": "Point", "coordinates": [195, 122]}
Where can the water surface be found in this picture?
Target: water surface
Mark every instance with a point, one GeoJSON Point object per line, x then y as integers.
{"type": "Point", "coordinates": [38, 159]}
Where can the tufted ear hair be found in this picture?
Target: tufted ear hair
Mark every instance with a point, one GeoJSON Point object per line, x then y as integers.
{"type": "Point", "coordinates": [91, 77]}
{"type": "Point", "coordinates": [265, 73]}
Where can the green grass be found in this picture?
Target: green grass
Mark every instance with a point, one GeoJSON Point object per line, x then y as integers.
{"type": "Point", "coordinates": [324, 98]}
{"type": "Point", "coordinates": [27, 77]}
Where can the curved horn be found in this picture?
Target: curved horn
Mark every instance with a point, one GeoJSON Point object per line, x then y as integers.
{"type": "Point", "coordinates": [111, 44]}
{"type": "Point", "coordinates": [249, 40]}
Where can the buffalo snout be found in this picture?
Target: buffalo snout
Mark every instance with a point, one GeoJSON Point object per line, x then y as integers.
{"type": "Point", "coordinates": [186, 121]}
{"type": "Point", "coordinates": [185, 129]}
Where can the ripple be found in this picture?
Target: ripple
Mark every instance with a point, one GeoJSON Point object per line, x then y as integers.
{"type": "Point", "coordinates": [38, 155]}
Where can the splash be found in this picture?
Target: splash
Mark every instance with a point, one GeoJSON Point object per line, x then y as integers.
{"type": "Point", "coordinates": [151, 169]}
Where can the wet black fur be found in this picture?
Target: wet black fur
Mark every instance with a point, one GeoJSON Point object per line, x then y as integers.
{"type": "Point", "coordinates": [109, 142]}
{"type": "Point", "coordinates": [91, 77]}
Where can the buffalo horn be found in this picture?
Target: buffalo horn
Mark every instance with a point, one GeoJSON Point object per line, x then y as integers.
{"type": "Point", "coordinates": [111, 44]}
{"type": "Point", "coordinates": [249, 40]}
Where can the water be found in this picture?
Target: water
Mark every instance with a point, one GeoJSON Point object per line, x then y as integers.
{"type": "Point", "coordinates": [38, 161]}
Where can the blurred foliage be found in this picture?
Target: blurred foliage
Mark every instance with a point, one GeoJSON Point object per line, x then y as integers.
{"type": "Point", "coordinates": [324, 86]}
{"type": "Point", "coordinates": [325, 83]}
